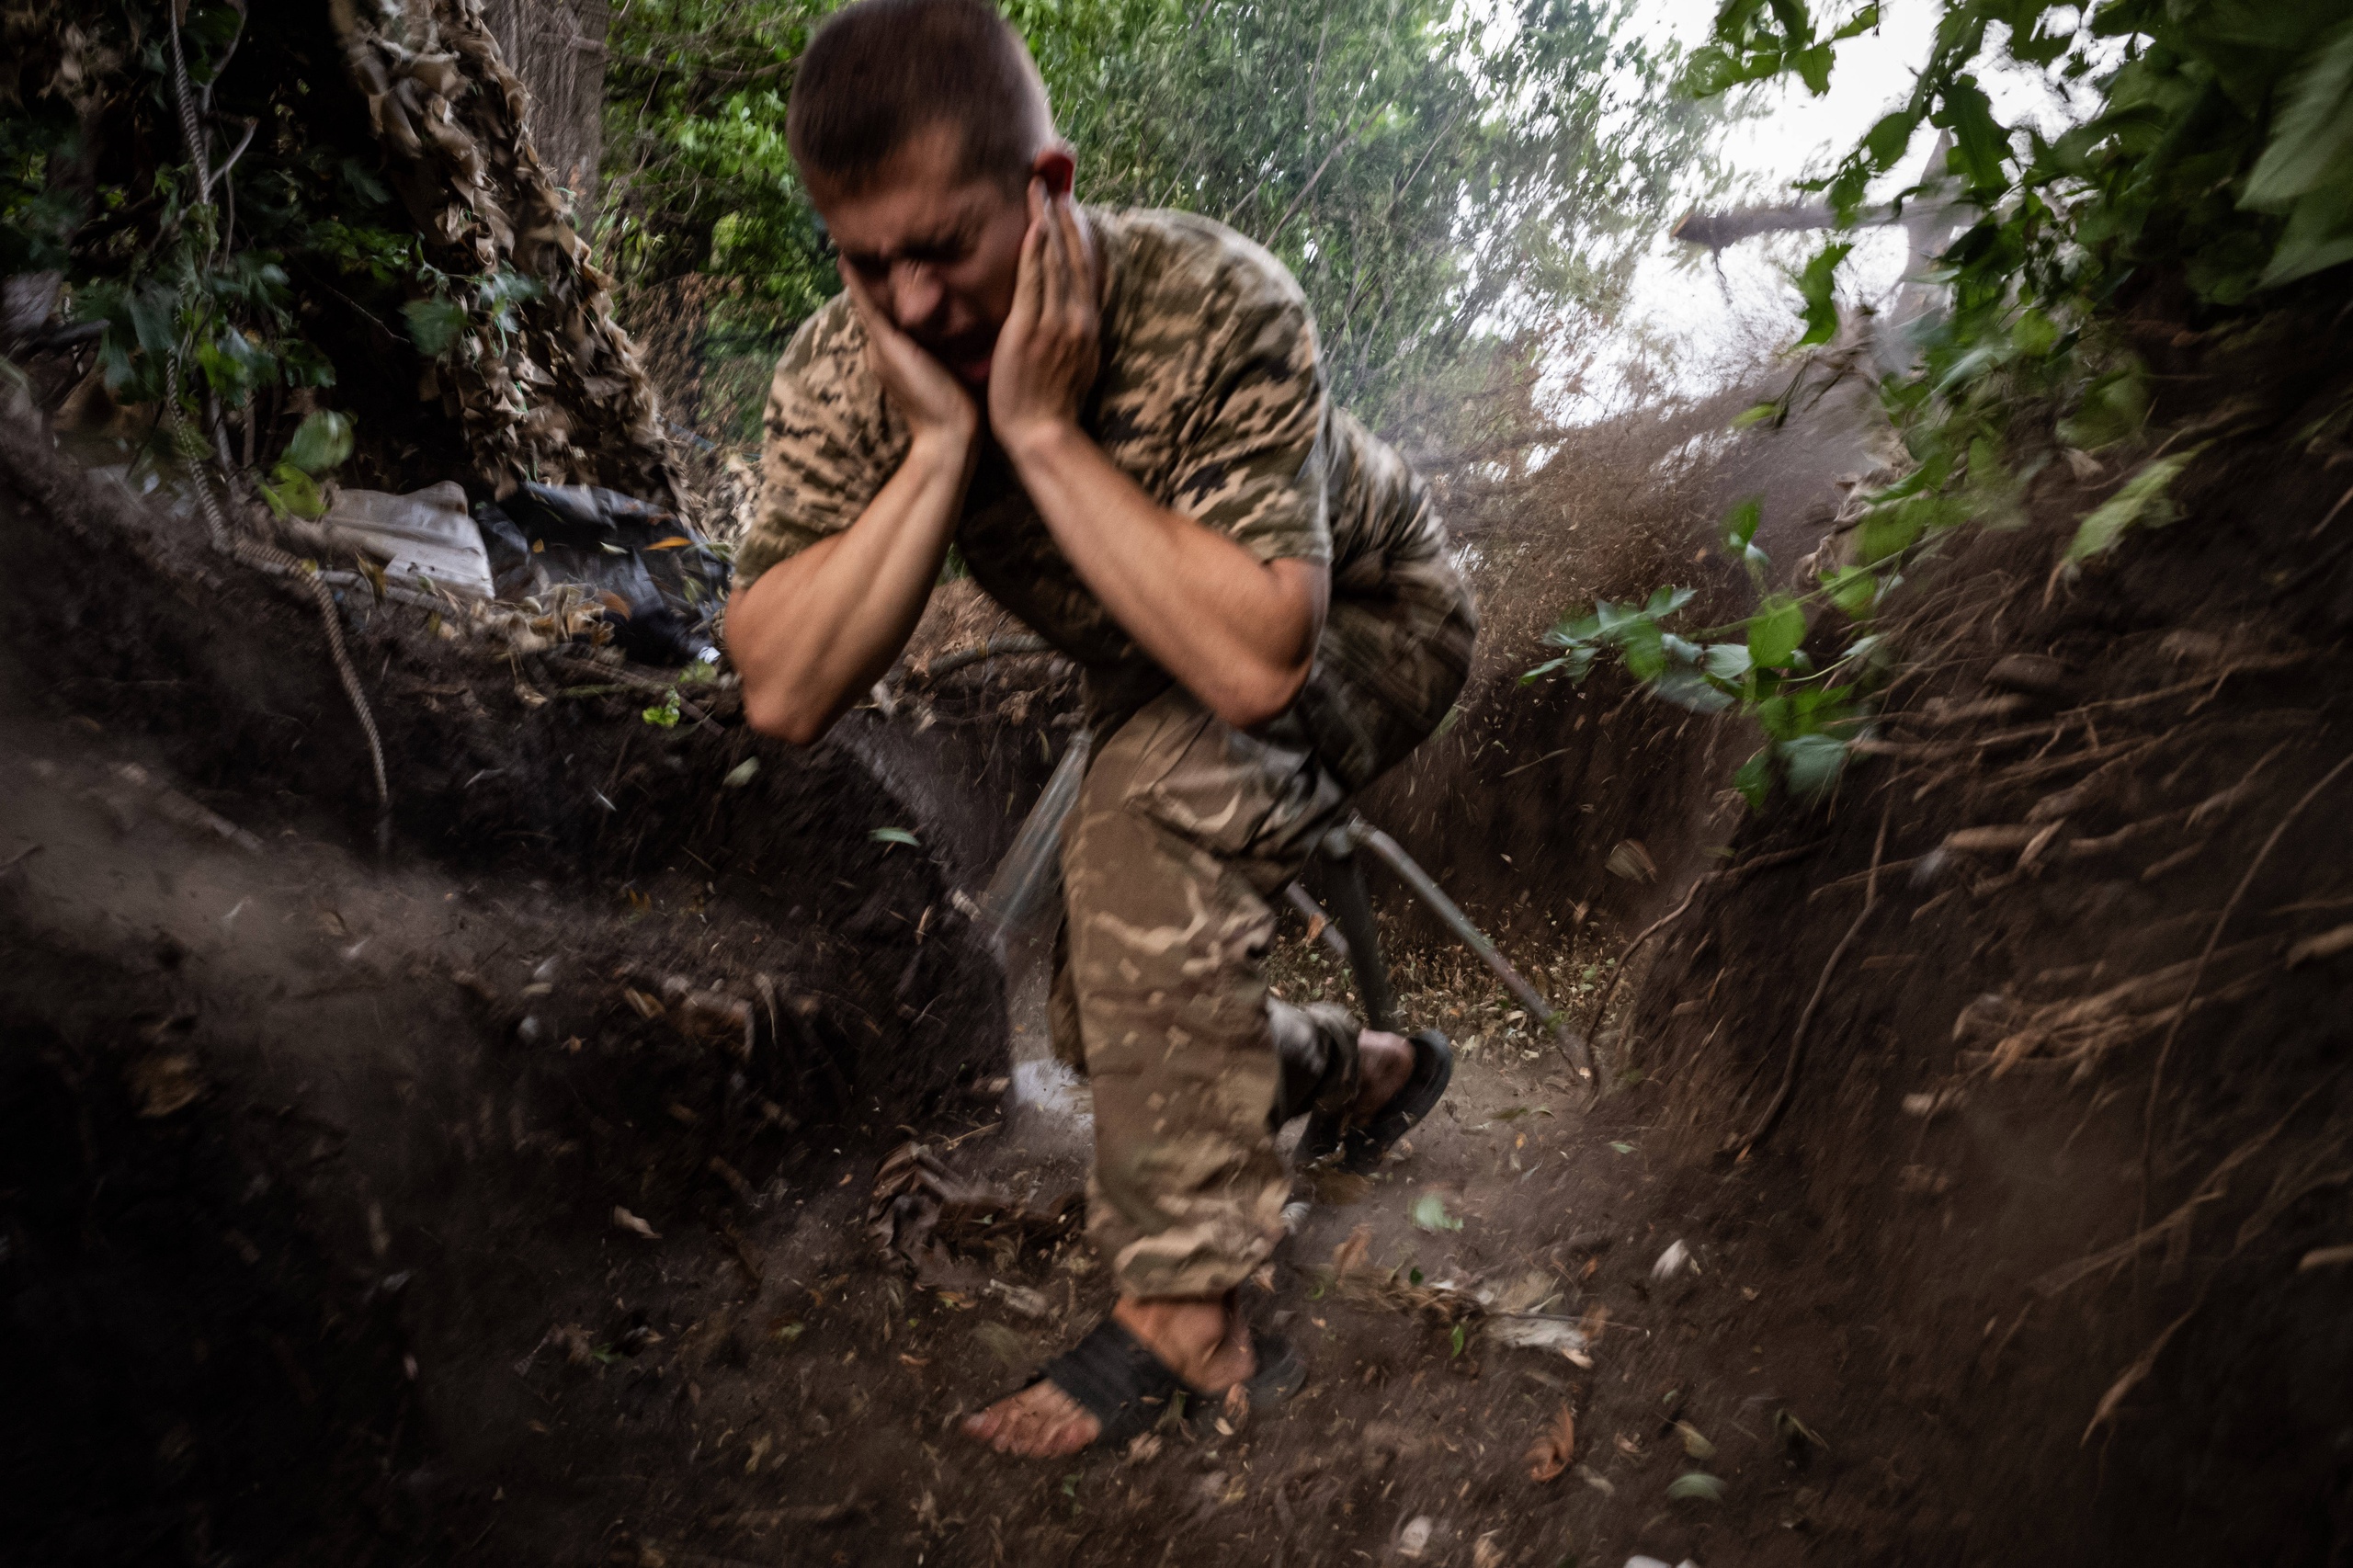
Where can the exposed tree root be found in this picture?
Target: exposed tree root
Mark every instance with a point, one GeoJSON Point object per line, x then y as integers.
{"type": "Point", "coordinates": [2164, 1051]}
{"type": "Point", "coordinates": [1780, 1101]}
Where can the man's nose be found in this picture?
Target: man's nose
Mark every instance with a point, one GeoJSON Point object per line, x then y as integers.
{"type": "Point", "coordinates": [916, 294]}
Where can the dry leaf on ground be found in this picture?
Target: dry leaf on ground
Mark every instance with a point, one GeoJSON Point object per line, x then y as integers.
{"type": "Point", "coordinates": [1348, 1256]}
{"type": "Point", "coordinates": [1594, 1324]}
{"type": "Point", "coordinates": [1550, 1454]}
{"type": "Point", "coordinates": [632, 1223]}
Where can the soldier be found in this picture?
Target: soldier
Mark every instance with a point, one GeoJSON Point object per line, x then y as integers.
{"type": "Point", "coordinates": [1119, 417]}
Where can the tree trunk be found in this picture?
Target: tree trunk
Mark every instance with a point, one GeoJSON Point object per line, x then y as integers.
{"type": "Point", "coordinates": [549, 385]}
{"type": "Point", "coordinates": [558, 48]}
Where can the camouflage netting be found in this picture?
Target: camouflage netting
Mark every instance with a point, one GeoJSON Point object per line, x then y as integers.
{"type": "Point", "coordinates": [563, 400]}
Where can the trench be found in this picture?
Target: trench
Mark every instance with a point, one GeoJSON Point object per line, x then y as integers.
{"type": "Point", "coordinates": [502, 1195]}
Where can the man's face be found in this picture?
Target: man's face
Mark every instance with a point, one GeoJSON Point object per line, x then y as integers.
{"type": "Point", "coordinates": [936, 247]}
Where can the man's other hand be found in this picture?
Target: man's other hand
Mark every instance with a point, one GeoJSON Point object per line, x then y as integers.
{"type": "Point", "coordinates": [926, 395]}
{"type": "Point", "coordinates": [1047, 354]}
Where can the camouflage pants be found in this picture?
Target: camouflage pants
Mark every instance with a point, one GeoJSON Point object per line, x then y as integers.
{"type": "Point", "coordinates": [1185, 832]}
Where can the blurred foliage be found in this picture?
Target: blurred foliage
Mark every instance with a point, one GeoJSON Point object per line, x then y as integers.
{"type": "Point", "coordinates": [208, 295]}
{"type": "Point", "coordinates": [696, 176]}
{"type": "Point", "coordinates": [2213, 179]}
{"type": "Point", "coordinates": [1442, 179]}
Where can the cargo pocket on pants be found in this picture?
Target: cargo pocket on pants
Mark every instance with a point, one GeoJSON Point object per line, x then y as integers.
{"type": "Point", "coordinates": [1234, 794]}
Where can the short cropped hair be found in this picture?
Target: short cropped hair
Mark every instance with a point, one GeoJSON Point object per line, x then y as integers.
{"type": "Point", "coordinates": [880, 71]}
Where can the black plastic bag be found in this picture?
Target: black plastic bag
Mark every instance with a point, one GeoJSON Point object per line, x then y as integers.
{"type": "Point", "coordinates": [661, 582]}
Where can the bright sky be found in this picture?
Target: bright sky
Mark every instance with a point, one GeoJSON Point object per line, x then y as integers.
{"type": "Point", "coordinates": [1713, 319]}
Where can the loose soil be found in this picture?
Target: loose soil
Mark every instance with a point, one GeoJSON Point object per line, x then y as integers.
{"type": "Point", "coordinates": [501, 1196]}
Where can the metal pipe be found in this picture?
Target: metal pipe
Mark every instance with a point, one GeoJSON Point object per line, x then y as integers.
{"type": "Point", "coordinates": [1317, 921]}
{"type": "Point", "coordinates": [1344, 888]}
{"type": "Point", "coordinates": [1572, 1044]}
{"type": "Point", "coordinates": [1033, 864]}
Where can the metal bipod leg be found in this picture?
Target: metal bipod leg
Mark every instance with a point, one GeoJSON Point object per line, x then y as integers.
{"type": "Point", "coordinates": [1352, 913]}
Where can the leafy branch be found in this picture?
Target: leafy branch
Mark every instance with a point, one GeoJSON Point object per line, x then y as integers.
{"type": "Point", "coordinates": [2217, 164]}
{"type": "Point", "coordinates": [1809, 711]}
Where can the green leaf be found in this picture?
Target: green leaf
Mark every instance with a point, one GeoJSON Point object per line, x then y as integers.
{"type": "Point", "coordinates": [1816, 287]}
{"type": "Point", "coordinates": [1643, 646]}
{"type": "Point", "coordinates": [1888, 141]}
{"type": "Point", "coordinates": [1666, 602]}
{"type": "Point", "coordinates": [1986, 467]}
{"type": "Point", "coordinates": [320, 442]}
{"type": "Point", "coordinates": [1812, 763]}
{"type": "Point", "coordinates": [1797, 22]}
{"type": "Point", "coordinates": [2112, 409]}
{"type": "Point", "coordinates": [232, 365]}
{"type": "Point", "coordinates": [1812, 66]}
{"type": "Point", "coordinates": [1741, 523]}
{"type": "Point", "coordinates": [1461, 1334]}
{"type": "Point", "coordinates": [1690, 689]}
{"type": "Point", "coordinates": [1710, 70]}
{"type": "Point", "coordinates": [1577, 664]}
{"type": "Point", "coordinates": [2311, 131]}
{"type": "Point", "coordinates": [1981, 143]}
{"type": "Point", "coordinates": [665, 715]}
{"type": "Point", "coordinates": [2035, 334]}
{"type": "Point", "coordinates": [1726, 661]}
{"type": "Point", "coordinates": [434, 324]}
{"type": "Point", "coordinates": [1853, 589]}
{"type": "Point", "coordinates": [1623, 1148]}
{"type": "Point", "coordinates": [2319, 235]}
{"type": "Point", "coordinates": [2039, 48]}
{"type": "Point", "coordinates": [741, 774]}
{"type": "Point", "coordinates": [1568, 632]}
{"type": "Point", "coordinates": [1758, 414]}
{"type": "Point", "coordinates": [2141, 502]}
{"type": "Point", "coordinates": [1775, 631]}
{"type": "Point", "coordinates": [1888, 530]}
{"type": "Point", "coordinates": [1865, 20]}
{"type": "Point", "coordinates": [296, 491]}
{"type": "Point", "coordinates": [1866, 651]}
{"type": "Point", "coordinates": [1755, 779]}
{"type": "Point", "coordinates": [1695, 1485]}
{"type": "Point", "coordinates": [1429, 1213]}
{"type": "Point", "coordinates": [893, 835]}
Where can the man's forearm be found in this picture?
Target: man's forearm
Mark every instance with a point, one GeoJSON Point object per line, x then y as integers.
{"type": "Point", "coordinates": [1237, 633]}
{"type": "Point", "coordinates": [816, 631]}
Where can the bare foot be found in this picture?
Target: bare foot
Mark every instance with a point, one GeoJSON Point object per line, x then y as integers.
{"type": "Point", "coordinates": [1040, 1421]}
{"type": "Point", "coordinates": [1384, 1062]}
{"type": "Point", "coordinates": [1203, 1342]}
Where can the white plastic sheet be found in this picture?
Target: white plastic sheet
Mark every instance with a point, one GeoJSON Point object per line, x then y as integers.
{"type": "Point", "coordinates": [427, 533]}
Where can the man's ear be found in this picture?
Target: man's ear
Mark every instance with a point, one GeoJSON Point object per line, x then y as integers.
{"type": "Point", "coordinates": [1057, 166]}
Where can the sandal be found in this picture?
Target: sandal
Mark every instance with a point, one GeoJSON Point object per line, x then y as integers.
{"type": "Point", "coordinates": [1115, 1377]}
{"type": "Point", "coordinates": [1359, 1150]}
{"type": "Point", "coordinates": [1281, 1373]}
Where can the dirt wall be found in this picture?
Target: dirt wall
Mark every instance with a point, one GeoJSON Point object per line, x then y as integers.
{"type": "Point", "coordinates": [2061, 1117]}
{"type": "Point", "coordinates": [302, 1122]}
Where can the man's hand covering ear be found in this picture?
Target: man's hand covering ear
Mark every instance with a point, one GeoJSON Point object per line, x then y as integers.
{"type": "Point", "coordinates": [1050, 347]}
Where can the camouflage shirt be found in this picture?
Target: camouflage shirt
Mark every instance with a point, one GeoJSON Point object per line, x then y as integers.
{"type": "Point", "coordinates": [1211, 396]}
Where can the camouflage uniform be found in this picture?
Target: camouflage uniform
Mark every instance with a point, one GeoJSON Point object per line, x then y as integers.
{"type": "Point", "coordinates": [1212, 398]}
